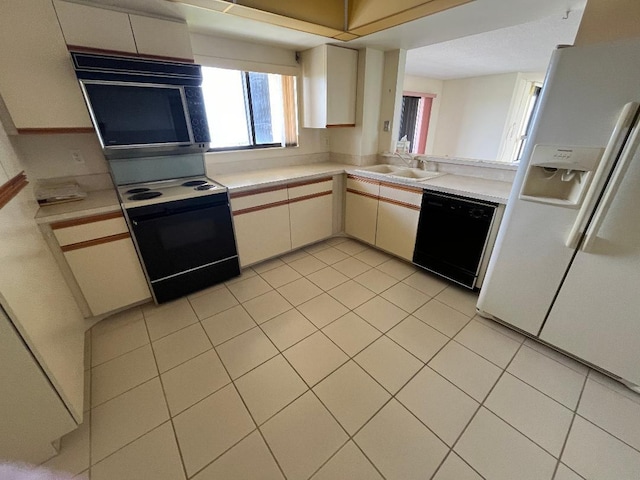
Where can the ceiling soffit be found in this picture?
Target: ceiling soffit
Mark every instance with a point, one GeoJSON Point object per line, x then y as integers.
{"type": "Point", "coordinates": [343, 20]}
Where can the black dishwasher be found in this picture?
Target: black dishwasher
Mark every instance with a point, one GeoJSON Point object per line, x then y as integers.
{"type": "Point", "coordinates": [452, 236]}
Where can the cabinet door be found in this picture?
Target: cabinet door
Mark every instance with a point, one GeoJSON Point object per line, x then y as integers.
{"type": "Point", "coordinates": [311, 220]}
{"type": "Point", "coordinates": [93, 27]}
{"type": "Point", "coordinates": [342, 78]}
{"type": "Point", "coordinates": [37, 82]}
{"type": "Point", "coordinates": [361, 217]}
{"type": "Point", "coordinates": [262, 234]}
{"type": "Point", "coordinates": [163, 38]}
{"type": "Point", "coordinates": [109, 275]}
{"type": "Point", "coordinates": [396, 229]}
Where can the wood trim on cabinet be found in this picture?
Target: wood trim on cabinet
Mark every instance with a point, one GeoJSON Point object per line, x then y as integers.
{"type": "Point", "coordinates": [363, 179]}
{"type": "Point", "coordinates": [54, 131]}
{"type": "Point", "coordinates": [95, 241]}
{"type": "Point", "coordinates": [310, 182]}
{"type": "Point", "coordinates": [257, 191]}
{"type": "Point", "coordinates": [341, 125]}
{"type": "Point", "coordinates": [309, 197]}
{"type": "Point", "coordinates": [260, 207]}
{"type": "Point", "coordinates": [399, 203]}
{"type": "Point", "coordinates": [80, 48]}
{"type": "Point", "coordinates": [84, 220]}
{"type": "Point", "coordinates": [402, 187]}
{"type": "Point", "coordinates": [12, 187]}
{"type": "Point", "coordinates": [364, 194]}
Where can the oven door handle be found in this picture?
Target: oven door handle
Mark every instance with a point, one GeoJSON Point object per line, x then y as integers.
{"type": "Point", "coordinates": [168, 211]}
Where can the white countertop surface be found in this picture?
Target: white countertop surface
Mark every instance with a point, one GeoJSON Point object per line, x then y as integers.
{"type": "Point", "coordinates": [106, 201]}
{"type": "Point", "coordinates": [96, 202]}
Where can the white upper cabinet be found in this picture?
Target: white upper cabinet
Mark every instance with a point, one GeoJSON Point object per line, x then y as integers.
{"type": "Point", "coordinates": [92, 27]}
{"type": "Point", "coordinates": [37, 81]}
{"type": "Point", "coordinates": [161, 37]}
{"type": "Point", "coordinates": [329, 79]}
{"type": "Point", "coordinates": [95, 27]}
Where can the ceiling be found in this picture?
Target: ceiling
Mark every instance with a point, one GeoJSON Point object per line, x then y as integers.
{"type": "Point", "coordinates": [521, 48]}
{"type": "Point", "coordinates": [479, 38]}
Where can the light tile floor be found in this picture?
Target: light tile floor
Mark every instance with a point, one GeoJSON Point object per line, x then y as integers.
{"type": "Point", "coordinates": [339, 362]}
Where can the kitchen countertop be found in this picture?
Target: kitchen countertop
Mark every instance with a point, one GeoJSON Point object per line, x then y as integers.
{"type": "Point", "coordinates": [106, 201]}
{"type": "Point", "coordinates": [96, 202]}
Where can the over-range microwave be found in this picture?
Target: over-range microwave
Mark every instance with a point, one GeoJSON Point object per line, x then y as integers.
{"type": "Point", "coordinates": [143, 107]}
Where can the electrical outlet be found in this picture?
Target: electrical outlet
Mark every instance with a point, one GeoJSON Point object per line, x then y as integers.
{"type": "Point", "coordinates": [387, 125]}
{"type": "Point", "coordinates": [76, 156]}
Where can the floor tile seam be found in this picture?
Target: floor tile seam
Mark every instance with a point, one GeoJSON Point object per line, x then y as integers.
{"type": "Point", "coordinates": [485, 358]}
{"type": "Point", "coordinates": [167, 308]}
{"type": "Point", "coordinates": [491, 323]}
{"type": "Point", "coordinates": [221, 311]}
{"type": "Point", "coordinates": [495, 330]}
{"type": "Point", "coordinates": [231, 338]}
{"type": "Point", "coordinates": [514, 374]}
{"type": "Point", "coordinates": [275, 459]}
{"type": "Point", "coordinates": [205, 291]}
{"type": "Point", "coordinates": [451, 306]}
{"type": "Point", "coordinates": [347, 306]}
{"type": "Point", "coordinates": [91, 368]}
{"type": "Point", "coordinates": [307, 300]}
{"type": "Point", "coordinates": [286, 283]}
{"type": "Point", "coordinates": [636, 396]}
{"type": "Point", "coordinates": [122, 447]}
{"type": "Point", "coordinates": [566, 437]}
{"type": "Point", "coordinates": [267, 261]}
{"type": "Point", "coordinates": [124, 391]}
{"type": "Point", "coordinates": [636, 449]}
{"type": "Point", "coordinates": [251, 298]}
{"type": "Point", "coordinates": [121, 354]}
{"type": "Point", "coordinates": [407, 350]}
{"type": "Point", "coordinates": [175, 331]}
{"type": "Point", "coordinates": [218, 457]}
{"type": "Point", "coordinates": [166, 402]}
{"type": "Point", "coordinates": [451, 452]}
{"type": "Point", "coordinates": [322, 288]}
{"type": "Point", "coordinates": [409, 312]}
{"type": "Point", "coordinates": [260, 424]}
{"type": "Point", "coordinates": [443, 333]}
{"type": "Point", "coordinates": [478, 408]}
{"type": "Point", "coordinates": [188, 359]}
{"type": "Point", "coordinates": [555, 360]}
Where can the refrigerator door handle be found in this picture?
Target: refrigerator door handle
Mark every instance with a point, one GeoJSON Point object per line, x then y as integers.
{"type": "Point", "coordinates": [623, 124]}
{"type": "Point", "coordinates": [628, 154]}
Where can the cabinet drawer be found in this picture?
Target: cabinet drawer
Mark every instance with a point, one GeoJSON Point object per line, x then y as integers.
{"type": "Point", "coordinates": [244, 201]}
{"type": "Point", "coordinates": [371, 187]}
{"type": "Point", "coordinates": [89, 228]}
{"type": "Point", "coordinates": [401, 194]}
{"type": "Point", "coordinates": [310, 188]}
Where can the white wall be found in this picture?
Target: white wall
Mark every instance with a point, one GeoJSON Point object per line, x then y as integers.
{"type": "Point", "coordinates": [432, 86]}
{"type": "Point", "coordinates": [391, 99]}
{"type": "Point", "coordinates": [472, 116]}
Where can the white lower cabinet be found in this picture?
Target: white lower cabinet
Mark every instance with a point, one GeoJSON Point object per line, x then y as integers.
{"type": "Point", "coordinates": [103, 260]}
{"type": "Point", "coordinates": [361, 212]}
{"type": "Point", "coordinates": [272, 221]}
{"type": "Point", "coordinates": [310, 212]}
{"type": "Point", "coordinates": [382, 214]}
{"type": "Point", "coordinates": [262, 234]}
{"type": "Point", "coordinates": [398, 215]}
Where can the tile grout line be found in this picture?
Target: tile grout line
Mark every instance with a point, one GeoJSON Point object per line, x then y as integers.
{"type": "Point", "coordinates": [573, 418]}
{"type": "Point", "coordinates": [164, 393]}
{"type": "Point", "coordinates": [481, 404]}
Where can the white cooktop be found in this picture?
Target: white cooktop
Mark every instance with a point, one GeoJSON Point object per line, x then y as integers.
{"type": "Point", "coordinates": [150, 193]}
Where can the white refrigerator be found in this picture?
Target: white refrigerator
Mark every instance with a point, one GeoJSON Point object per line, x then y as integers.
{"type": "Point", "coordinates": [566, 266]}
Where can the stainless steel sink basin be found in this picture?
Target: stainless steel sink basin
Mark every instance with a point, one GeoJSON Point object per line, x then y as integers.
{"type": "Point", "coordinates": [401, 172]}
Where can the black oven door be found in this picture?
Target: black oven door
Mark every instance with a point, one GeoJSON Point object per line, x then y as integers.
{"type": "Point", "coordinates": [181, 236]}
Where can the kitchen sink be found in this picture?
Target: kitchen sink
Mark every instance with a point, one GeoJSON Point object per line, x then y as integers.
{"type": "Point", "coordinates": [401, 172]}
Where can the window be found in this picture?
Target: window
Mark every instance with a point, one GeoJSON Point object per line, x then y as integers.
{"type": "Point", "coordinates": [414, 120]}
{"type": "Point", "coordinates": [249, 109]}
{"type": "Point", "coordinates": [526, 125]}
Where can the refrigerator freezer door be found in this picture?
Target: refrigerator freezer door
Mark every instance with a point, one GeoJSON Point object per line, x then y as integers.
{"type": "Point", "coordinates": [585, 91]}
{"type": "Point", "coordinates": [596, 315]}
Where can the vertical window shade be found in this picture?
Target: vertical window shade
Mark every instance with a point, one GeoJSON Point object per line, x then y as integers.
{"type": "Point", "coordinates": [290, 114]}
